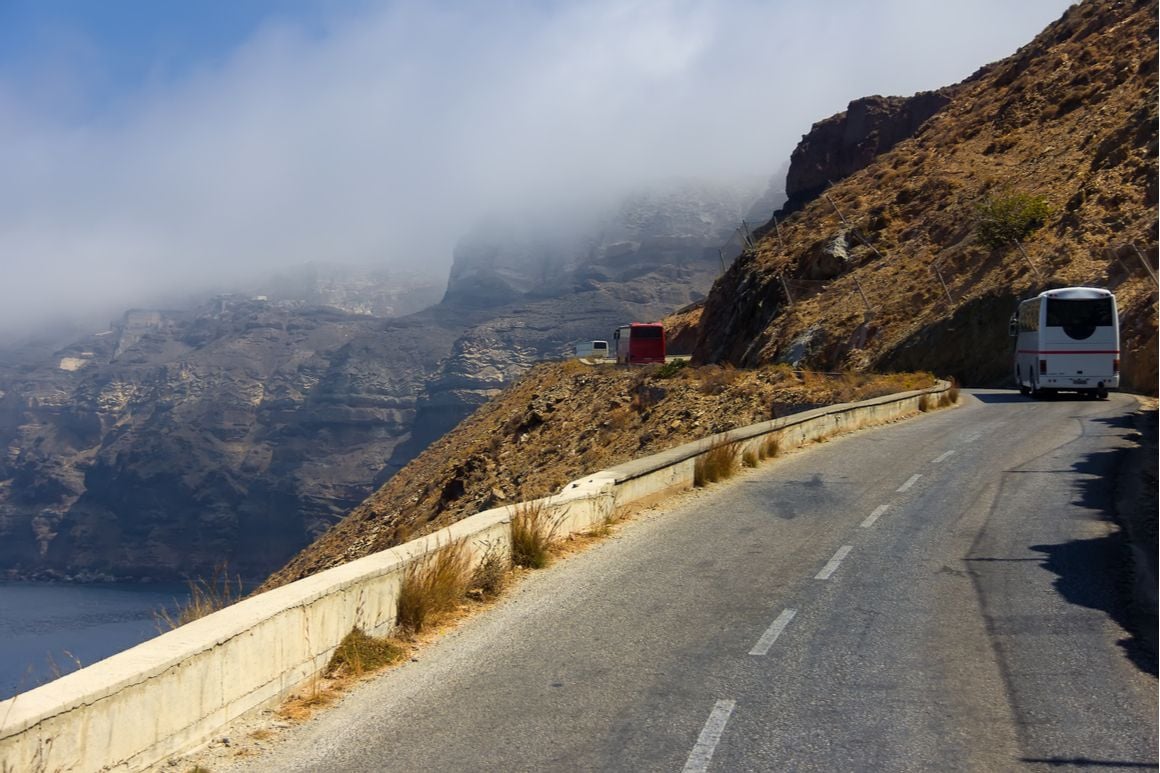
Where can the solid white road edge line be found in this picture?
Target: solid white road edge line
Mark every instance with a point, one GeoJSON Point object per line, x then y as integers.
{"type": "Point", "coordinates": [832, 566]}
{"type": "Point", "coordinates": [874, 516]}
{"type": "Point", "coordinates": [906, 486]}
{"type": "Point", "coordinates": [772, 632]}
{"type": "Point", "coordinates": [942, 457]}
{"type": "Point", "coordinates": [698, 761]}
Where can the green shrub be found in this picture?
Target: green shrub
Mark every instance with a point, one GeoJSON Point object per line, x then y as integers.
{"type": "Point", "coordinates": [670, 369]}
{"type": "Point", "coordinates": [1009, 216]}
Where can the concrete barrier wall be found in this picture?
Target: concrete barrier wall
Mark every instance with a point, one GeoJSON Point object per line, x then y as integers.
{"type": "Point", "coordinates": [175, 692]}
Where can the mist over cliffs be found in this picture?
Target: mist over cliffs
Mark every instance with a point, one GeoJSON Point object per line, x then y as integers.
{"type": "Point", "coordinates": [241, 428]}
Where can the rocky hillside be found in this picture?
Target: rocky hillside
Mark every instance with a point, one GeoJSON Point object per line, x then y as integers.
{"type": "Point", "coordinates": [561, 421]}
{"type": "Point", "coordinates": [853, 278]}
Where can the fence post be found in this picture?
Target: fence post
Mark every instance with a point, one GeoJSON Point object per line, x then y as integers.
{"type": "Point", "coordinates": [942, 282]}
{"type": "Point", "coordinates": [785, 287]}
{"type": "Point", "coordinates": [1024, 254]}
{"type": "Point", "coordinates": [1147, 265]}
{"type": "Point", "coordinates": [857, 234]}
{"type": "Point", "coordinates": [869, 310]}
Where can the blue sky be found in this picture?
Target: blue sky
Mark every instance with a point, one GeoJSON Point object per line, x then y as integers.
{"type": "Point", "coordinates": [146, 144]}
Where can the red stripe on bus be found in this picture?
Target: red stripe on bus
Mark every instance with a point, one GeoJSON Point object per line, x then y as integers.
{"type": "Point", "coordinates": [1067, 351]}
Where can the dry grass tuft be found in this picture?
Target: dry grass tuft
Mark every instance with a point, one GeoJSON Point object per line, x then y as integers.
{"type": "Point", "coordinates": [749, 458]}
{"type": "Point", "coordinates": [490, 576]}
{"type": "Point", "coordinates": [360, 654]}
{"type": "Point", "coordinates": [951, 396]}
{"type": "Point", "coordinates": [925, 403]}
{"type": "Point", "coordinates": [770, 447]}
{"type": "Point", "coordinates": [205, 597]}
{"type": "Point", "coordinates": [718, 463]}
{"type": "Point", "coordinates": [433, 586]}
{"type": "Point", "coordinates": [609, 513]}
{"type": "Point", "coordinates": [533, 532]}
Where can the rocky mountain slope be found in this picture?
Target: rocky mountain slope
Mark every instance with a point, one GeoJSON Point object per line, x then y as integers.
{"type": "Point", "coordinates": [560, 421]}
{"type": "Point", "coordinates": [242, 429]}
{"type": "Point", "coordinates": [852, 279]}
{"type": "Point", "coordinates": [855, 277]}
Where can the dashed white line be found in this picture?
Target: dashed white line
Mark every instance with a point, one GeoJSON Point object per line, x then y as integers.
{"type": "Point", "coordinates": [906, 486]}
{"type": "Point", "coordinates": [971, 438]}
{"type": "Point", "coordinates": [770, 636]}
{"type": "Point", "coordinates": [942, 457]}
{"type": "Point", "coordinates": [698, 761]}
{"type": "Point", "coordinates": [834, 563]}
{"type": "Point", "coordinates": [874, 516]}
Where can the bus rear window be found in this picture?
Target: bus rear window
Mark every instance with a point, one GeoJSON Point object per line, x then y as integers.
{"type": "Point", "coordinates": [648, 332]}
{"type": "Point", "coordinates": [1079, 318]}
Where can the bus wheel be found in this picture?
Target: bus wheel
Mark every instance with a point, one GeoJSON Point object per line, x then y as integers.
{"type": "Point", "coordinates": [1101, 394]}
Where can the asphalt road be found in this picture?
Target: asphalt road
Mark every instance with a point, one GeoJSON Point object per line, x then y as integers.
{"type": "Point", "coordinates": [938, 594]}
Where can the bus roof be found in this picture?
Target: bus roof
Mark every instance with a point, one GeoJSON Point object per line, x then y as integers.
{"type": "Point", "coordinates": [1076, 293]}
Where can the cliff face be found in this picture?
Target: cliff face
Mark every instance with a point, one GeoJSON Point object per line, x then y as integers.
{"type": "Point", "coordinates": [892, 274]}
{"type": "Point", "coordinates": [178, 440]}
{"type": "Point", "coordinates": [241, 430]}
{"type": "Point", "coordinates": [842, 144]}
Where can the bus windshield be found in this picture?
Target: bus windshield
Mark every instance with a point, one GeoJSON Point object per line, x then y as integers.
{"type": "Point", "coordinates": [1079, 318]}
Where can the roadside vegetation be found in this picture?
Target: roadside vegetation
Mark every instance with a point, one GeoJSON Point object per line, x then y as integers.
{"type": "Point", "coordinates": [206, 596]}
{"type": "Point", "coordinates": [564, 420]}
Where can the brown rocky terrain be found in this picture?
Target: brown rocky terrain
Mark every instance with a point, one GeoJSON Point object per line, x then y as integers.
{"type": "Point", "coordinates": [1071, 117]}
{"type": "Point", "coordinates": [561, 421]}
{"type": "Point", "coordinates": [853, 279]}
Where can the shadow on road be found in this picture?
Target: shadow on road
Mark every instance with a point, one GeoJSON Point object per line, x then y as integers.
{"type": "Point", "coordinates": [999, 398]}
{"type": "Point", "coordinates": [1097, 573]}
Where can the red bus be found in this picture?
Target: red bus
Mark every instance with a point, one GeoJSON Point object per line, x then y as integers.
{"type": "Point", "coordinates": [640, 343]}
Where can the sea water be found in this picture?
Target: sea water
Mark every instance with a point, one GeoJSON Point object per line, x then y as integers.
{"type": "Point", "coordinates": [47, 629]}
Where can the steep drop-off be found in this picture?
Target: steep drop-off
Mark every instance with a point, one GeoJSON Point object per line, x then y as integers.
{"type": "Point", "coordinates": [240, 430]}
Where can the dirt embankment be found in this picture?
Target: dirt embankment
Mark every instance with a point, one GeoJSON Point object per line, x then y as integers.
{"type": "Point", "coordinates": [562, 421]}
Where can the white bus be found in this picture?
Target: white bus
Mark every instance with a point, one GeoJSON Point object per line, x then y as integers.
{"type": "Point", "coordinates": [1067, 340]}
{"type": "Point", "coordinates": [592, 349]}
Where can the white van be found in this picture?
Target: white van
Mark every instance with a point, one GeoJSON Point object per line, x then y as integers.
{"type": "Point", "coordinates": [592, 349]}
{"type": "Point", "coordinates": [1067, 340]}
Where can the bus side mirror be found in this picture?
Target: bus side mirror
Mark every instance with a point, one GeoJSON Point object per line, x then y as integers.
{"type": "Point", "coordinates": [1013, 326]}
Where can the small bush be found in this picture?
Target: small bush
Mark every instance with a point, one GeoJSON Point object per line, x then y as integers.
{"type": "Point", "coordinates": [1010, 216]}
{"type": "Point", "coordinates": [716, 379]}
{"type": "Point", "coordinates": [749, 458]}
{"type": "Point", "coordinates": [608, 515]}
{"type": "Point", "coordinates": [533, 532]}
{"type": "Point", "coordinates": [359, 654]}
{"type": "Point", "coordinates": [433, 586]}
{"type": "Point", "coordinates": [925, 403]}
{"type": "Point", "coordinates": [490, 575]}
{"type": "Point", "coordinates": [718, 463]}
{"type": "Point", "coordinates": [205, 597]}
{"type": "Point", "coordinates": [670, 369]}
{"type": "Point", "coordinates": [770, 447]}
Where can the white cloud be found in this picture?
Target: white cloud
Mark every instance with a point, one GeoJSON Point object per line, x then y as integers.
{"type": "Point", "coordinates": [384, 135]}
